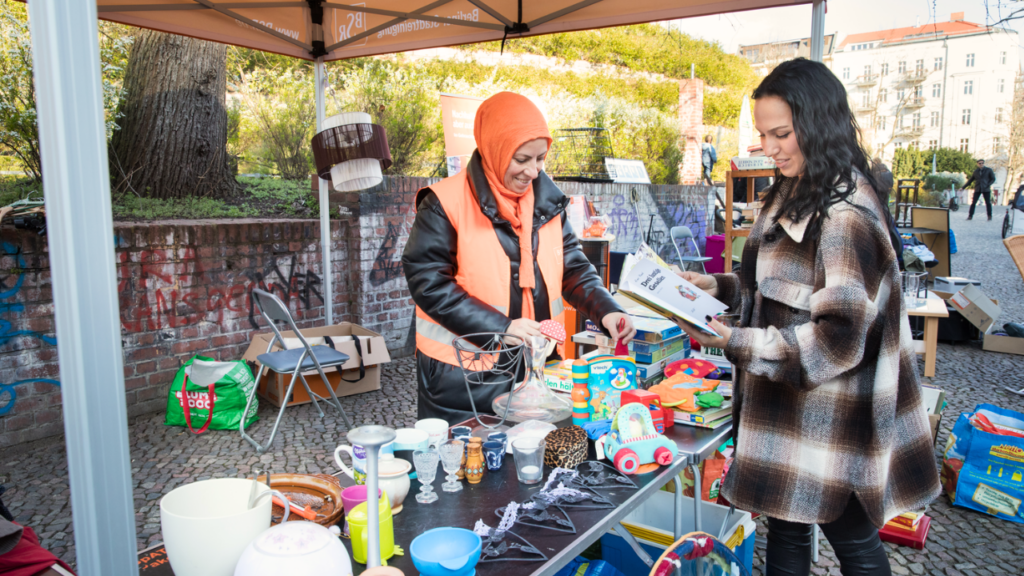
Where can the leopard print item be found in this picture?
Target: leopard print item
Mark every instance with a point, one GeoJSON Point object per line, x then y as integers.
{"type": "Point", "coordinates": [566, 447]}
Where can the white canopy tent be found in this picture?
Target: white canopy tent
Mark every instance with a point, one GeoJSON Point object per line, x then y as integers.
{"type": "Point", "coordinates": [72, 139]}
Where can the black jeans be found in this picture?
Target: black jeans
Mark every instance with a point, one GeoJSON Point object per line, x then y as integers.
{"type": "Point", "coordinates": [988, 202]}
{"type": "Point", "coordinates": [853, 537]}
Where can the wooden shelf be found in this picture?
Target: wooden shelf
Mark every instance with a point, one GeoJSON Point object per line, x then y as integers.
{"type": "Point", "coordinates": [730, 232]}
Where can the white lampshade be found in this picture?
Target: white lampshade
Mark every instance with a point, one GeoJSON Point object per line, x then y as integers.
{"type": "Point", "coordinates": [361, 173]}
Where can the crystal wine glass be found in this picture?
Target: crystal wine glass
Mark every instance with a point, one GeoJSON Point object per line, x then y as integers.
{"type": "Point", "coordinates": [426, 471]}
{"type": "Point", "coordinates": [451, 458]}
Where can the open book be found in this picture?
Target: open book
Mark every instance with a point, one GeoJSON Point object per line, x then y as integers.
{"type": "Point", "coordinates": [662, 290]}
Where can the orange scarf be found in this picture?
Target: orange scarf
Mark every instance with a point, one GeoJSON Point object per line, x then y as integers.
{"type": "Point", "coordinates": [504, 122]}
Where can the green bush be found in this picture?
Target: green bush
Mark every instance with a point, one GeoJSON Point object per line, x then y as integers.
{"type": "Point", "coordinates": [914, 163]}
{"type": "Point", "coordinates": [944, 181]}
{"type": "Point", "coordinates": [19, 134]}
{"type": "Point", "coordinates": [276, 122]}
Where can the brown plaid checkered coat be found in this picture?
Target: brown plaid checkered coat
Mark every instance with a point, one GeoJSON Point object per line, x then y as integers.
{"type": "Point", "coordinates": [827, 403]}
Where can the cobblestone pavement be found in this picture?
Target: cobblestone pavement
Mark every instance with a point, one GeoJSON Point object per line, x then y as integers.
{"type": "Point", "coordinates": [163, 458]}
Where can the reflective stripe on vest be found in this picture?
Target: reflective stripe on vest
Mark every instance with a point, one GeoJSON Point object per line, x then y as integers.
{"type": "Point", "coordinates": [483, 268]}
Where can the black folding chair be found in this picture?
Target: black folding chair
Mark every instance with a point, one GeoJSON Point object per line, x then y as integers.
{"type": "Point", "coordinates": [294, 361]}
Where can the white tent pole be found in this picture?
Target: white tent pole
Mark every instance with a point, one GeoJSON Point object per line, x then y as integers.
{"type": "Point", "coordinates": [817, 30]}
{"type": "Point", "coordinates": [325, 202]}
{"type": "Point", "coordinates": [69, 103]}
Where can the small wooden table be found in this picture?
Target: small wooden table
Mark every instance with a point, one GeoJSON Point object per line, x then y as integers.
{"type": "Point", "coordinates": [932, 309]}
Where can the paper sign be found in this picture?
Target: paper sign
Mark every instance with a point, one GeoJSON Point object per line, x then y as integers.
{"type": "Point", "coordinates": [627, 171]}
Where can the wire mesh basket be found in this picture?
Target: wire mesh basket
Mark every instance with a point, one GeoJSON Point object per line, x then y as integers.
{"type": "Point", "coordinates": [578, 154]}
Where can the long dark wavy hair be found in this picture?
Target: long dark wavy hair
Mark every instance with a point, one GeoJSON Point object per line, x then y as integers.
{"type": "Point", "coordinates": [827, 133]}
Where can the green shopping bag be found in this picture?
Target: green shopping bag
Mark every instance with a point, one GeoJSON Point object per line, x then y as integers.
{"type": "Point", "coordinates": [211, 392]}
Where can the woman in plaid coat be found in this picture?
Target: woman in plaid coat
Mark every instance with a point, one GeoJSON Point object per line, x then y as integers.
{"type": "Point", "coordinates": [831, 428]}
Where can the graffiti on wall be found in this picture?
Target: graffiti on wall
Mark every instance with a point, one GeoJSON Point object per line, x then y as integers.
{"type": "Point", "coordinates": [10, 285]}
{"type": "Point", "coordinates": [295, 286]}
{"type": "Point", "coordinates": [9, 391]}
{"type": "Point", "coordinates": [386, 266]}
{"type": "Point", "coordinates": [651, 221]}
{"type": "Point", "coordinates": [153, 296]}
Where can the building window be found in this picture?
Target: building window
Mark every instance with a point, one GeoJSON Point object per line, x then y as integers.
{"type": "Point", "coordinates": [938, 63]}
{"type": "Point", "coordinates": [918, 91]}
{"type": "Point", "coordinates": [997, 142]}
{"type": "Point", "coordinates": [999, 115]}
{"type": "Point", "coordinates": [970, 60]}
{"type": "Point", "coordinates": [936, 90]}
{"type": "Point", "coordinates": [964, 145]}
{"type": "Point", "coordinates": [1002, 57]}
{"type": "Point", "coordinates": [902, 67]}
{"type": "Point", "coordinates": [881, 122]}
{"type": "Point", "coordinates": [1001, 85]}
{"type": "Point", "coordinates": [917, 120]}
{"type": "Point", "coordinates": [883, 95]}
{"type": "Point", "coordinates": [919, 66]}
{"type": "Point", "coordinates": [846, 73]}
{"type": "Point", "coordinates": [935, 119]}
{"type": "Point", "coordinates": [900, 95]}
{"type": "Point", "coordinates": [965, 118]}
{"type": "Point", "coordinates": [867, 72]}
{"type": "Point", "coordinates": [968, 87]}
{"type": "Point", "coordinates": [933, 144]}
{"type": "Point", "coordinates": [865, 100]}
{"type": "Point", "coordinates": [899, 144]}
{"type": "Point", "coordinates": [885, 68]}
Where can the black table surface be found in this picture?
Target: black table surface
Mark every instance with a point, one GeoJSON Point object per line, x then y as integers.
{"type": "Point", "coordinates": [498, 488]}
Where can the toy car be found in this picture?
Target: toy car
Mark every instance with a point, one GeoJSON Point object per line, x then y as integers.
{"type": "Point", "coordinates": [634, 441]}
{"type": "Point", "coordinates": [662, 417]}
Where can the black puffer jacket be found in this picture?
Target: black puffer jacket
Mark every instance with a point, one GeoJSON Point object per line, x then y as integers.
{"type": "Point", "coordinates": [430, 263]}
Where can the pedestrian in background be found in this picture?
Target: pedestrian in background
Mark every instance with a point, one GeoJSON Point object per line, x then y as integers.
{"type": "Point", "coordinates": [983, 179]}
{"type": "Point", "coordinates": [708, 158]}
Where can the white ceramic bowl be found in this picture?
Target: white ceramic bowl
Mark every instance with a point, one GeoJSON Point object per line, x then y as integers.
{"type": "Point", "coordinates": [411, 439]}
{"type": "Point", "coordinates": [435, 427]}
{"type": "Point", "coordinates": [207, 525]}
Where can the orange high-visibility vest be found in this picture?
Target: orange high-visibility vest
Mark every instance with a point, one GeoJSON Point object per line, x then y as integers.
{"type": "Point", "coordinates": [484, 270]}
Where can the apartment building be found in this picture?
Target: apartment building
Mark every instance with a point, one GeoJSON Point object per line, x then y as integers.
{"type": "Point", "coordinates": [948, 84]}
{"type": "Point", "coordinates": [766, 56]}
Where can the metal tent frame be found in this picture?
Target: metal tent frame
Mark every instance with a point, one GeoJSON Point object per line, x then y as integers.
{"type": "Point", "coordinates": [76, 179]}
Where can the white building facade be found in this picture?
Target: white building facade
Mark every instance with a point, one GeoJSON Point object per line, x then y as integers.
{"type": "Point", "coordinates": [945, 85]}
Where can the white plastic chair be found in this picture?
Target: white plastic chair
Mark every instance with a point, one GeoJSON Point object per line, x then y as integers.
{"type": "Point", "coordinates": [683, 233]}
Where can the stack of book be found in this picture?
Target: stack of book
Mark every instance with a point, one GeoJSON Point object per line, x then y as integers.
{"type": "Point", "coordinates": [658, 343]}
{"type": "Point", "coordinates": [706, 418]}
{"type": "Point", "coordinates": [907, 529]}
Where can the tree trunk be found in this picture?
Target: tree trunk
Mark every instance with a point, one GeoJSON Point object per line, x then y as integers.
{"type": "Point", "coordinates": [173, 134]}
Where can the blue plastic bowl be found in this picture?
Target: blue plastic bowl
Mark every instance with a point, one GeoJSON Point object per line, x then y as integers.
{"type": "Point", "coordinates": [446, 552]}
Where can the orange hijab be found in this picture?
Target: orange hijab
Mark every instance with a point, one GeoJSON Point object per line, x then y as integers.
{"type": "Point", "coordinates": [504, 122]}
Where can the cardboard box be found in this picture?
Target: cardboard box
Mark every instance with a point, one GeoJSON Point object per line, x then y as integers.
{"type": "Point", "coordinates": [953, 283]}
{"type": "Point", "coordinates": [272, 386]}
{"type": "Point", "coordinates": [983, 312]}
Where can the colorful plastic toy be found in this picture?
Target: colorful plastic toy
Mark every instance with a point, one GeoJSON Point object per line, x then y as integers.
{"type": "Point", "coordinates": [661, 415]}
{"type": "Point", "coordinates": [680, 390]}
{"type": "Point", "coordinates": [606, 377]}
{"type": "Point", "coordinates": [634, 441]}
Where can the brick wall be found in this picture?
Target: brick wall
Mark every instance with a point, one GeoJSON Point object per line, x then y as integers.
{"type": "Point", "coordinates": [184, 287]}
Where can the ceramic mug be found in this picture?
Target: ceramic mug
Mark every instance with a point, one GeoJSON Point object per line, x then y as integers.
{"type": "Point", "coordinates": [500, 437]}
{"type": "Point", "coordinates": [358, 455]}
{"type": "Point", "coordinates": [394, 481]}
{"type": "Point", "coordinates": [494, 453]}
{"type": "Point", "coordinates": [411, 439]}
{"type": "Point", "coordinates": [436, 428]}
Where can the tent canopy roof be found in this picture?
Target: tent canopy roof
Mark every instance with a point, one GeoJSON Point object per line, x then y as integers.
{"type": "Point", "coordinates": [337, 30]}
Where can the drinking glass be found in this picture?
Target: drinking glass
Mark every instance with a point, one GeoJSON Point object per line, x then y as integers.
{"type": "Point", "coordinates": [451, 459]}
{"type": "Point", "coordinates": [529, 456]}
{"type": "Point", "coordinates": [426, 471]}
{"type": "Point", "coordinates": [913, 283]}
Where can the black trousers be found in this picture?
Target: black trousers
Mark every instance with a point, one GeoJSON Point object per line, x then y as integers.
{"type": "Point", "coordinates": [853, 537]}
{"type": "Point", "coordinates": [987, 194]}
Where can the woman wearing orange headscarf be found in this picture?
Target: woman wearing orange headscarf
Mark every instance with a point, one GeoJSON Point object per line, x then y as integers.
{"type": "Point", "coordinates": [491, 251]}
